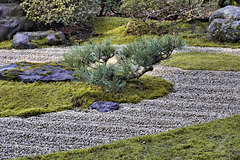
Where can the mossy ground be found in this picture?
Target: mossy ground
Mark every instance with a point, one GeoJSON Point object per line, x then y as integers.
{"type": "Point", "coordinates": [204, 61]}
{"type": "Point", "coordinates": [113, 28]}
{"type": "Point", "coordinates": [28, 99]}
{"type": "Point", "coordinates": [124, 30]}
{"type": "Point", "coordinates": [219, 139]}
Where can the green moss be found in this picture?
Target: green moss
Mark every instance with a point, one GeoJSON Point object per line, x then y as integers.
{"type": "Point", "coordinates": [43, 74]}
{"type": "Point", "coordinates": [46, 73]}
{"type": "Point", "coordinates": [105, 24]}
{"type": "Point", "coordinates": [49, 72]}
{"type": "Point", "coordinates": [17, 70]}
{"type": "Point", "coordinates": [53, 64]}
{"type": "Point", "coordinates": [16, 98]}
{"type": "Point", "coordinates": [30, 65]}
{"type": "Point", "coordinates": [123, 31]}
{"type": "Point", "coordinates": [13, 73]}
{"type": "Point", "coordinates": [219, 139]}
{"type": "Point", "coordinates": [6, 44]}
{"type": "Point", "coordinates": [204, 61]}
{"type": "Point", "coordinates": [39, 42]}
{"type": "Point", "coordinates": [114, 28]}
{"type": "Point", "coordinates": [33, 66]}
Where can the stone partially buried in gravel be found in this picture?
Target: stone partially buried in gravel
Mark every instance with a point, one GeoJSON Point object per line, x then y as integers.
{"type": "Point", "coordinates": [31, 72]}
{"type": "Point", "coordinates": [102, 106]}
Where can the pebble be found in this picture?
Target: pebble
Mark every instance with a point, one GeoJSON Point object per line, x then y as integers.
{"type": "Point", "coordinates": [198, 97]}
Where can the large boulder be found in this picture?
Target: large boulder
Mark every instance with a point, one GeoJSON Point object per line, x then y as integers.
{"type": "Point", "coordinates": [30, 40]}
{"type": "Point", "coordinates": [31, 72]}
{"type": "Point", "coordinates": [12, 20]}
{"type": "Point", "coordinates": [225, 25]}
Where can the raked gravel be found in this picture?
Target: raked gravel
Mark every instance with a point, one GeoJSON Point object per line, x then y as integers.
{"type": "Point", "coordinates": [198, 97]}
{"type": "Point", "coordinates": [55, 53]}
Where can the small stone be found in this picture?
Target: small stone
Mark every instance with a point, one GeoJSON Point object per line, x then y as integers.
{"type": "Point", "coordinates": [102, 106]}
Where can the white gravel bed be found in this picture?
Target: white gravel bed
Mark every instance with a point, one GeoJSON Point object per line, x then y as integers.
{"type": "Point", "coordinates": [210, 50]}
{"type": "Point", "coordinates": [198, 97]}
{"type": "Point", "coordinates": [55, 53]}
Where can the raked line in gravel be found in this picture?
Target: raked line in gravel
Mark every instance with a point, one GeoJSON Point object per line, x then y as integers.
{"type": "Point", "coordinates": [55, 54]}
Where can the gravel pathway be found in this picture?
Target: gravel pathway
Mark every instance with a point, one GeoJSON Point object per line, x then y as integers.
{"type": "Point", "coordinates": [198, 97]}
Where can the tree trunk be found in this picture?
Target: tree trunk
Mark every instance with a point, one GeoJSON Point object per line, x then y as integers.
{"type": "Point", "coordinates": [102, 9]}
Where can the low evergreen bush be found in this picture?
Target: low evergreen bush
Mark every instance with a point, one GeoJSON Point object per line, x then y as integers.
{"type": "Point", "coordinates": [133, 60]}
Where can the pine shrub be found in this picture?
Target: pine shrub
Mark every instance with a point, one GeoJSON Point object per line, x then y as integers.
{"type": "Point", "coordinates": [133, 60]}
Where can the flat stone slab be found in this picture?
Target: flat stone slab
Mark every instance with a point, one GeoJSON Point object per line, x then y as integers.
{"type": "Point", "coordinates": [31, 72]}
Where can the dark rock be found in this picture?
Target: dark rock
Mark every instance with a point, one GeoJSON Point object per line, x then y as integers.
{"type": "Point", "coordinates": [29, 40]}
{"type": "Point", "coordinates": [31, 72]}
{"type": "Point", "coordinates": [102, 106]}
{"type": "Point", "coordinates": [12, 20]}
{"type": "Point", "coordinates": [225, 25]}
{"type": "Point", "coordinates": [10, 10]}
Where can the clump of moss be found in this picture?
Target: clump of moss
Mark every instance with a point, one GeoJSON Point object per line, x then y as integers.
{"type": "Point", "coordinates": [46, 73]}
{"type": "Point", "coordinates": [28, 99]}
{"type": "Point", "coordinates": [204, 61]}
{"type": "Point", "coordinates": [34, 66]}
{"type": "Point", "coordinates": [6, 44]}
{"type": "Point", "coordinates": [53, 64]}
{"type": "Point", "coordinates": [215, 140]}
{"type": "Point", "coordinates": [39, 42]}
{"type": "Point", "coordinates": [30, 65]}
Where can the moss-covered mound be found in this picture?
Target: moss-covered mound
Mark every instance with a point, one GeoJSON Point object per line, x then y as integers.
{"type": "Point", "coordinates": [28, 99]}
{"type": "Point", "coordinates": [215, 140]}
{"type": "Point", "coordinates": [204, 61]}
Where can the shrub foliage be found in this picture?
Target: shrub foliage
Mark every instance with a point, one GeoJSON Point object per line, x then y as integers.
{"type": "Point", "coordinates": [164, 9]}
{"type": "Point", "coordinates": [133, 60]}
{"type": "Point", "coordinates": [67, 12]}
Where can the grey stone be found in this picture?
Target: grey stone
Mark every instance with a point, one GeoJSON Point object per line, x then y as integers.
{"type": "Point", "coordinates": [228, 12]}
{"type": "Point", "coordinates": [102, 106]}
{"type": "Point", "coordinates": [12, 20]}
{"type": "Point", "coordinates": [225, 25]}
{"type": "Point", "coordinates": [22, 41]}
{"type": "Point", "coordinates": [30, 40]}
{"type": "Point", "coordinates": [29, 72]}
